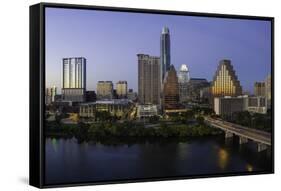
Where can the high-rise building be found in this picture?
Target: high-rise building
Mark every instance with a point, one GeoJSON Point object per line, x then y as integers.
{"type": "Point", "coordinates": [149, 79]}
{"type": "Point", "coordinates": [165, 51]}
{"type": "Point", "coordinates": [171, 90]}
{"type": "Point", "coordinates": [259, 88]}
{"type": "Point", "coordinates": [194, 87]}
{"type": "Point", "coordinates": [73, 79]}
{"type": "Point", "coordinates": [225, 81]}
{"type": "Point", "coordinates": [183, 79]}
{"type": "Point", "coordinates": [50, 95]}
{"type": "Point", "coordinates": [121, 89]}
{"type": "Point", "coordinates": [104, 90]}
{"type": "Point", "coordinates": [268, 91]}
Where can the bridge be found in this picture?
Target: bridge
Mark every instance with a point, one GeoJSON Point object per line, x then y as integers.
{"type": "Point", "coordinates": [263, 139]}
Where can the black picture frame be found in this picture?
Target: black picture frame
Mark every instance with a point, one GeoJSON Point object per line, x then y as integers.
{"type": "Point", "coordinates": [37, 90]}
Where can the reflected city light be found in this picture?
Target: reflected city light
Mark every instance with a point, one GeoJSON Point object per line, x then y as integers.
{"type": "Point", "coordinates": [54, 144]}
{"type": "Point", "coordinates": [223, 158]}
{"type": "Point", "coordinates": [249, 168]}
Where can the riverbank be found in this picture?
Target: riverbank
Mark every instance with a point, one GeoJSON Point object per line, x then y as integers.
{"type": "Point", "coordinates": [128, 131]}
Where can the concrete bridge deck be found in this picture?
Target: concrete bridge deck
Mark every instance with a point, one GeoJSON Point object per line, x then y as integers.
{"type": "Point", "coordinates": [243, 132]}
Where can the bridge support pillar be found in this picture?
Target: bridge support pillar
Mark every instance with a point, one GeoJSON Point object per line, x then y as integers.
{"type": "Point", "coordinates": [261, 147]}
{"type": "Point", "coordinates": [242, 140]}
{"type": "Point", "coordinates": [228, 134]}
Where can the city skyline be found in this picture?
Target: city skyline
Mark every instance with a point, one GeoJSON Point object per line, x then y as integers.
{"type": "Point", "coordinates": [235, 40]}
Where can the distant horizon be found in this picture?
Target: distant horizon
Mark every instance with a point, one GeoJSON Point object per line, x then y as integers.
{"type": "Point", "coordinates": [110, 42]}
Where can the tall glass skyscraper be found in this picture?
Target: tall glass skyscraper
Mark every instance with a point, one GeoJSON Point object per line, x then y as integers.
{"type": "Point", "coordinates": [74, 79]}
{"type": "Point", "coordinates": [165, 55]}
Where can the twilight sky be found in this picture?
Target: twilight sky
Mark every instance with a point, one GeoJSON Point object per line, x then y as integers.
{"type": "Point", "coordinates": [110, 42]}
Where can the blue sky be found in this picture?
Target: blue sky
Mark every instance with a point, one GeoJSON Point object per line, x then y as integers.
{"type": "Point", "coordinates": [110, 42]}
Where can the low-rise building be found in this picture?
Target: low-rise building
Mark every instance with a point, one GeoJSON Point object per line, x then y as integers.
{"type": "Point", "coordinates": [257, 105]}
{"type": "Point", "coordinates": [226, 106]}
{"type": "Point", "coordinates": [147, 110]}
{"type": "Point", "coordinates": [116, 107]}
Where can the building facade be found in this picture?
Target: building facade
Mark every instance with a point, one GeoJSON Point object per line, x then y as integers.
{"type": "Point", "coordinates": [147, 110]}
{"type": "Point", "coordinates": [225, 81]}
{"type": "Point", "coordinates": [74, 79]}
{"type": "Point", "coordinates": [257, 104]}
{"type": "Point", "coordinates": [165, 54]}
{"type": "Point", "coordinates": [171, 90]}
{"type": "Point", "coordinates": [268, 91]}
{"type": "Point", "coordinates": [116, 107]}
{"type": "Point", "coordinates": [104, 90]}
{"type": "Point", "coordinates": [50, 95]}
{"type": "Point", "coordinates": [194, 86]}
{"type": "Point", "coordinates": [259, 88]}
{"type": "Point", "coordinates": [149, 79]}
{"type": "Point", "coordinates": [226, 106]}
{"type": "Point", "coordinates": [121, 89]}
{"type": "Point", "coordinates": [183, 79]}
{"type": "Point", "coordinates": [132, 95]}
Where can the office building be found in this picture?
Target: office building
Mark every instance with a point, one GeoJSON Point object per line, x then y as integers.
{"type": "Point", "coordinates": [50, 95]}
{"type": "Point", "coordinates": [171, 90]}
{"type": "Point", "coordinates": [259, 89]}
{"type": "Point", "coordinates": [121, 89]}
{"type": "Point", "coordinates": [74, 79]}
{"type": "Point", "coordinates": [104, 90]}
{"type": "Point", "coordinates": [183, 79]}
{"type": "Point", "coordinates": [226, 106]}
{"type": "Point", "coordinates": [268, 91]}
{"type": "Point", "coordinates": [205, 95]}
{"type": "Point", "coordinates": [257, 105]}
{"type": "Point", "coordinates": [225, 81]}
{"type": "Point", "coordinates": [194, 86]}
{"type": "Point", "coordinates": [165, 54]}
{"type": "Point", "coordinates": [149, 79]}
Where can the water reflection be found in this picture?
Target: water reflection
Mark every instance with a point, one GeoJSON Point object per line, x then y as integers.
{"type": "Point", "coordinates": [249, 168]}
{"type": "Point", "coordinates": [68, 161]}
{"type": "Point", "coordinates": [223, 158]}
{"type": "Point", "coordinates": [54, 144]}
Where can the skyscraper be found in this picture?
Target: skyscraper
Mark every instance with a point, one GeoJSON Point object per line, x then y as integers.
{"type": "Point", "coordinates": [121, 89]}
{"type": "Point", "coordinates": [149, 79]}
{"type": "Point", "coordinates": [104, 90]}
{"type": "Point", "coordinates": [268, 91]}
{"type": "Point", "coordinates": [171, 90]}
{"type": "Point", "coordinates": [165, 51]}
{"type": "Point", "coordinates": [259, 88]}
{"type": "Point", "coordinates": [50, 95]}
{"type": "Point", "coordinates": [74, 79]}
{"type": "Point", "coordinates": [183, 79]}
{"type": "Point", "coordinates": [225, 81]}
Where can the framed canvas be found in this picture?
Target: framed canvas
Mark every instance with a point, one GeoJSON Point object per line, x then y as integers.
{"type": "Point", "coordinates": [126, 95]}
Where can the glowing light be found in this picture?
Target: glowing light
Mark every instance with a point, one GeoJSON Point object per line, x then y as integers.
{"type": "Point", "coordinates": [223, 158]}
{"type": "Point", "coordinates": [249, 168]}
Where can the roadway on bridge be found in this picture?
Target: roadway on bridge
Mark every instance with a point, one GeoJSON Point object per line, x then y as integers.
{"type": "Point", "coordinates": [252, 134]}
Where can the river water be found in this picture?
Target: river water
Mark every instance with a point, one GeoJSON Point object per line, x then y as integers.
{"type": "Point", "coordinates": [69, 162]}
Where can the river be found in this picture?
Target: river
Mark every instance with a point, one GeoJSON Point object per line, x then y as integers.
{"type": "Point", "coordinates": [69, 162]}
